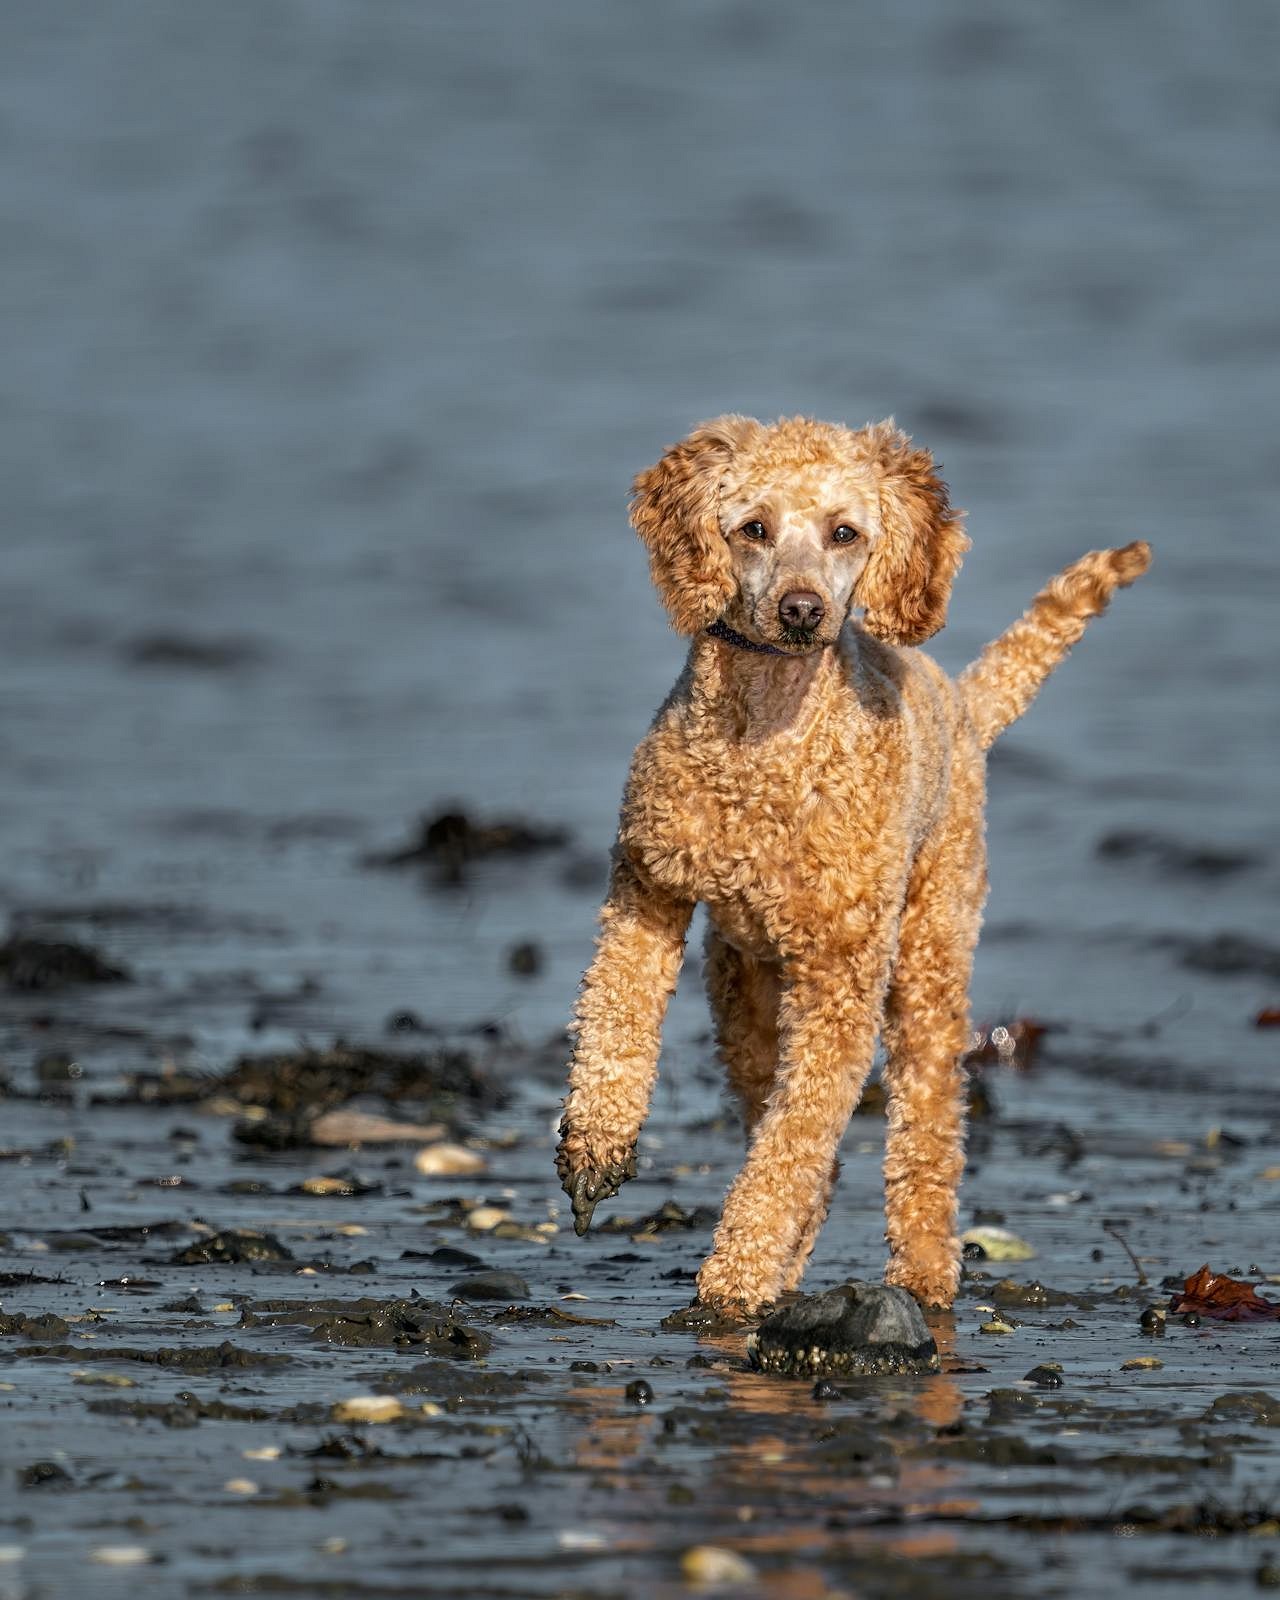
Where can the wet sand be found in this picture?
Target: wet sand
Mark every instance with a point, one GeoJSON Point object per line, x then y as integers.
{"type": "Point", "coordinates": [193, 1291]}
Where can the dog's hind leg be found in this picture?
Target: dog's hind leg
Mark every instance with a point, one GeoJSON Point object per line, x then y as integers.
{"type": "Point", "coordinates": [744, 995]}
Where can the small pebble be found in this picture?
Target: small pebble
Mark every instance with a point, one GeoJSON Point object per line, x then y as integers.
{"type": "Point", "coordinates": [639, 1393]}
{"type": "Point", "coordinates": [323, 1186]}
{"type": "Point", "coordinates": [449, 1160]}
{"type": "Point", "coordinates": [484, 1218]}
{"type": "Point", "coordinates": [525, 959]}
{"type": "Point", "coordinates": [1152, 1320]}
{"type": "Point", "coordinates": [240, 1486]}
{"type": "Point", "coordinates": [581, 1539]}
{"type": "Point", "coordinates": [1191, 1320]}
{"type": "Point", "coordinates": [824, 1389]}
{"type": "Point", "coordinates": [1142, 1364]}
{"type": "Point", "coordinates": [995, 1244]}
{"type": "Point", "coordinates": [264, 1452]}
{"type": "Point", "coordinates": [11, 1552]}
{"type": "Point", "coordinates": [1048, 1375]}
{"type": "Point", "coordinates": [1267, 1576]}
{"type": "Point", "coordinates": [120, 1555]}
{"type": "Point", "coordinates": [368, 1408]}
{"type": "Point", "coordinates": [996, 1325]}
{"type": "Point", "coordinates": [709, 1565]}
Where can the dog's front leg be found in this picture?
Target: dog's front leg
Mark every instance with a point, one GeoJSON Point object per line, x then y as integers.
{"type": "Point", "coordinates": [617, 1032]}
{"type": "Point", "coordinates": [829, 1018]}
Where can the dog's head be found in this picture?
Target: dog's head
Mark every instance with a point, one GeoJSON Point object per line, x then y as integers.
{"type": "Point", "coordinates": [780, 530]}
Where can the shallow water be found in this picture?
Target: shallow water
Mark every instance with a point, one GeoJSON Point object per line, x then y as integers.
{"type": "Point", "coordinates": [333, 337]}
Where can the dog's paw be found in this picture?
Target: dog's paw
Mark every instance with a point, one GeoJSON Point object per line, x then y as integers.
{"type": "Point", "coordinates": [931, 1274]}
{"type": "Point", "coordinates": [588, 1179]}
{"type": "Point", "coordinates": [735, 1291]}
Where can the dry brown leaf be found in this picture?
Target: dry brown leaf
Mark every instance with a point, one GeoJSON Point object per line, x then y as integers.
{"type": "Point", "coordinates": [1214, 1294]}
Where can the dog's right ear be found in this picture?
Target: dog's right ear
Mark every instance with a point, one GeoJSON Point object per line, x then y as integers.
{"type": "Point", "coordinates": [675, 510]}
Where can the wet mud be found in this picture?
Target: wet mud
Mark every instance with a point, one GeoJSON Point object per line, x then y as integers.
{"type": "Point", "coordinates": [272, 1366]}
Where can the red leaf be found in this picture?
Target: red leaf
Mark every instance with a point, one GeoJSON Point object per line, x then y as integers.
{"type": "Point", "coordinates": [1213, 1294]}
{"type": "Point", "coordinates": [1268, 1017]}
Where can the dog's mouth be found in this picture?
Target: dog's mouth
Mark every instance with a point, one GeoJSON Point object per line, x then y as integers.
{"type": "Point", "coordinates": [797, 641]}
{"type": "Point", "coordinates": [801, 639]}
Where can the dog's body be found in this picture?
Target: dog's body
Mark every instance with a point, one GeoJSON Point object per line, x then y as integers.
{"type": "Point", "coordinates": [819, 789]}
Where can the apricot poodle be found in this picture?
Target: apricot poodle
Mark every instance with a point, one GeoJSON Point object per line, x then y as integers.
{"type": "Point", "coordinates": [817, 783]}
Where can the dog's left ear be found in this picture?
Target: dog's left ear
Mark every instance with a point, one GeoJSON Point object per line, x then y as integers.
{"type": "Point", "coordinates": [676, 511]}
{"type": "Point", "coordinates": [908, 578]}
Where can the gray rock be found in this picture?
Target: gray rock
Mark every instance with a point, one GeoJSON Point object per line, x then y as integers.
{"type": "Point", "coordinates": [491, 1286]}
{"type": "Point", "coordinates": [857, 1328]}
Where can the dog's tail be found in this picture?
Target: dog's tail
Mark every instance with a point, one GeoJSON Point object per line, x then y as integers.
{"type": "Point", "coordinates": [1002, 682]}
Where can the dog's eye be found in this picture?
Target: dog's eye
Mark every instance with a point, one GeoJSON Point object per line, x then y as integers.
{"type": "Point", "coordinates": [844, 534]}
{"type": "Point", "coordinates": [754, 530]}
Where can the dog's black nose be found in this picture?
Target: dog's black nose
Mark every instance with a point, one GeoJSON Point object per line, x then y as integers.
{"type": "Point", "coordinates": [801, 609]}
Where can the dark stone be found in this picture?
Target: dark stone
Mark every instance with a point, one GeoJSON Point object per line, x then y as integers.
{"type": "Point", "coordinates": [190, 1304]}
{"type": "Point", "coordinates": [445, 1255]}
{"type": "Point", "coordinates": [668, 1218]}
{"type": "Point", "coordinates": [1229, 955]}
{"type": "Point", "coordinates": [46, 1326]}
{"type": "Point", "coordinates": [855, 1328]}
{"type": "Point", "coordinates": [419, 1326]}
{"type": "Point", "coordinates": [35, 964]}
{"type": "Point", "coordinates": [1246, 1405]}
{"type": "Point", "coordinates": [525, 959]}
{"type": "Point", "coordinates": [406, 1022]}
{"type": "Point", "coordinates": [491, 1286]}
{"type": "Point", "coordinates": [1010, 1293]}
{"type": "Point", "coordinates": [186, 651]}
{"type": "Point", "coordinates": [236, 1244]}
{"type": "Point", "coordinates": [1173, 855]}
{"type": "Point", "coordinates": [639, 1393]}
{"type": "Point", "coordinates": [1046, 1376]}
{"type": "Point", "coordinates": [697, 1318]}
{"type": "Point", "coordinates": [55, 1069]}
{"type": "Point", "coordinates": [44, 1475]}
{"type": "Point", "coordinates": [200, 1358]}
{"type": "Point", "coordinates": [298, 1085]}
{"type": "Point", "coordinates": [450, 841]}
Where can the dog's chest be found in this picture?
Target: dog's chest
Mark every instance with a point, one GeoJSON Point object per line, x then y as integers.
{"type": "Point", "coordinates": [732, 829]}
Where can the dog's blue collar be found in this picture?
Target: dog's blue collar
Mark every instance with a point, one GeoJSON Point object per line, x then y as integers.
{"type": "Point", "coordinates": [722, 630]}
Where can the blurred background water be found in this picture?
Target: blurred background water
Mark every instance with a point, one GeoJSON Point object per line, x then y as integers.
{"type": "Point", "coordinates": [334, 334]}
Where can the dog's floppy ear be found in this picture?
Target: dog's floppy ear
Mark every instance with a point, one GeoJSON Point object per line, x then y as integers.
{"type": "Point", "coordinates": [907, 580]}
{"type": "Point", "coordinates": [675, 510]}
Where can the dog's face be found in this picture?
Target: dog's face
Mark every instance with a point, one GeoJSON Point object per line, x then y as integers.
{"type": "Point", "coordinates": [799, 537]}
{"type": "Point", "coordinates": [779, 531]}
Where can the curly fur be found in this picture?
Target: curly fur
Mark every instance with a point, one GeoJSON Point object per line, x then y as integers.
{"type": "Point", "coordinates": [825, 804]}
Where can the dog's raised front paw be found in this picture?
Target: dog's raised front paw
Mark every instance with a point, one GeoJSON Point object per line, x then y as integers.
{"type": "Point", "coordinates": [586, 1181]}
